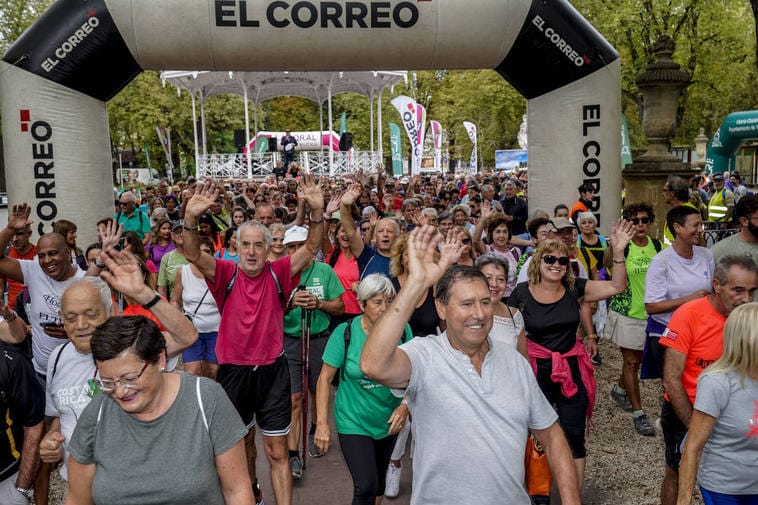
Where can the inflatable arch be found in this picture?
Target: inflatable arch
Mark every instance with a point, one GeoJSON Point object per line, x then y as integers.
{"type": "Point", "coordinates": [56, 78]}
{"type": "Point", "coordinates": [736, 128]}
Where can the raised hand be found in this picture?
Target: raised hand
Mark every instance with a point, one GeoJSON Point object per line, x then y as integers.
{"type": "Point", "coordinates": [333, 205]}
{"type": "Point", "coordinates": [486, 209]}
{"type": "Point", "coordinates": [450, 249]}
{"type": "Point", "coordinates": [311, 192]}
{"type": "Point", "coordinates": [124, 274]}
{"type": "Point", "coordinates": [423, 266]}
{"type": "Point", "coordinates": [621, 234]}
{"type": "Point", "coordinates": [202, 199]}
{"type": "Point", "coordinates": [111, 235]}
{"type": "Point", "coordinates": [351, 195]}
{"type": "Point", "coordinates": [373, 219]}
{"type": "Point", "coordinates": [19, 217]}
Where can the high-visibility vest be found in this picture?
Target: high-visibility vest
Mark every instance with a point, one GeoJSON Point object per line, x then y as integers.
{"type": "Point", "coordinates": [717, 207]}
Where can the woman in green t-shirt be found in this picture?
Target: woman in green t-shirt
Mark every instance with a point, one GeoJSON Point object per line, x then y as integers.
{"type": "Point", "coordinates": [368, 416]}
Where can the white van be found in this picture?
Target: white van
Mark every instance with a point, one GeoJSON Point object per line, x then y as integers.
{"type": "Point", "coordinates": [146, 176]}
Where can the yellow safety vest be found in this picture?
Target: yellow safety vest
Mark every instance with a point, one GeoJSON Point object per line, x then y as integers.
{"type": "Point", "coordinates": [717, 207]}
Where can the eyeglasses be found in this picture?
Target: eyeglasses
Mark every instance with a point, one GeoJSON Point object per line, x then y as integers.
{"type": "Point", "coordinates": [549, 259]}
{"type": "Point", "coordinates": [128, 380]}
{"type": "Point", "coordinates": [466, 241]}
{"type": "Point", "coordinates": [259, 200]}
{"type": "Point", "coordinates": [638, 220]}
{"type": "Point", "coordinates": [124, 204]}
{"type": "Point", "coordinates": [364, 230]}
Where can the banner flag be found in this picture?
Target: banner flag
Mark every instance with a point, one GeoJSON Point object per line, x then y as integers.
{"type": "Point", "coordinates": [396, 149]}
{"type": "Point", "coordinates": [436, 128]}
{"type": "Point", "coordinates": [414, 120]}
{"type": "Point", "coordinates": [471, 130]}
{"type": "Point", "coordinates": [343, 122]}
{"type": "Point", "coordinates": [626, 146]}
{"type": "Point", "coordinates": [164, 134]}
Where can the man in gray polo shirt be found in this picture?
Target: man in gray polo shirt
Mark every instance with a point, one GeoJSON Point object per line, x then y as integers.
{"type": "Point", "coordinates": [463, 388]}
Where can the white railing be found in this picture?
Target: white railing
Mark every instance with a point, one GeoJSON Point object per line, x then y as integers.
{"type": "Point", "coordinates": [234, 166]}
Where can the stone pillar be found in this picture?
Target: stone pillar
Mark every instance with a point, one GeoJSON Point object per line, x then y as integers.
{"type": "Point", "coordinates": [661, 85]}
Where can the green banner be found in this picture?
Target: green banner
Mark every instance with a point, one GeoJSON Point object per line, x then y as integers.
{"type": "Point", "coordinates": [396, 149]}
{"type": "Point", "coordinates": [343, 121]}
{"type": "Point", "coordinates": [261, 145]}
{"type": "Point", "coordinates": [626, 147]}
{"type": "Point", "coordinates": [147, 155]}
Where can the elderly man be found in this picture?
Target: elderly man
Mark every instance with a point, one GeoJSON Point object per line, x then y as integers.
{"type": "Point", "coordinates": [487, 389]}
{"type": "Point", "coordinates": [131, 217]}
{"type": "Point", "coordinates": [693, 340]}
{"type": "Point", "coordinates": [515, 208]}
{"type": "Point", "coordinates": [85, 305]}
{"type": "Point", "coordinates": [371, 260]}
{"type": "Point", "coordinates": [746, 241]}
{"type": "Point", "coordinates": [252, 297]}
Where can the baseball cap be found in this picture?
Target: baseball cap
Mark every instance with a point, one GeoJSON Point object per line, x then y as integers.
{"type": "Point", "coordinates": [336, 215]}
{"type": "Point", "coordinates": [367, 210]}
{"type": "Point", "coordinates": [558, 224]}
{"type": "Point", "coordinates": [177, 225]}
{"type": "Point", "coordinates": [718, 177]}
{"type": "Point", "coordinates": [295, 234]}
{"type": "Point", "coordinates": [405, 180]}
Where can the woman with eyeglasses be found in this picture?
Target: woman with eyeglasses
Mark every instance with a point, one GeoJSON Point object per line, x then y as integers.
{"type": "Point", "coordinates": [549, 302]}
{"type": "Point", "coordinates": [277, 249]}
{"type": "Point", "coordinates": [468, 253]}
{"type": "Point", "coordinates": [627, 318]}
{"type": "Point", "coordinates": [150, 436]}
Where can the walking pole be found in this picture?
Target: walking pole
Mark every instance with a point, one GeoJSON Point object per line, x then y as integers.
{"type": "Point", "coordinates": [306, 350]}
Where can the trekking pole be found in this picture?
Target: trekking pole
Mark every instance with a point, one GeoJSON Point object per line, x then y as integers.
{"type": "Point", "coordinates": [306, 350]}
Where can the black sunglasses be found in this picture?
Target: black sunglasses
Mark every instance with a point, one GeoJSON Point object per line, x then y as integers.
{"type": "Point", "coordinates": [638, 220]}
{"type": "Point", "coordinates": [466, 241]}
{"type": "Point", "coordinates": [549, 259]}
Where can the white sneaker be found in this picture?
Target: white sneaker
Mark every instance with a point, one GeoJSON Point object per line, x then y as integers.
{"type": "Point", "coordinates": [392, 484]}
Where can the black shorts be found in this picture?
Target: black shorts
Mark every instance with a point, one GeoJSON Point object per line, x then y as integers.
{"type": "Point", "coordinates": [261, 394]}
{"type": "Point", "coordinates": [293, 350]}
{"type": "Point", "coordinates": [673, 435]}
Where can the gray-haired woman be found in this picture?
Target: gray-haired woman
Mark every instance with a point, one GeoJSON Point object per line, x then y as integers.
{"type": "Point", "coordinates": [368, 416]}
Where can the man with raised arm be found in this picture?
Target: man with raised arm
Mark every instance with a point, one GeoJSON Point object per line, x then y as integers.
{"type": "Point", "coordinates": [252, 298]}
{"type": "Point", "coordinates": [464, 388]}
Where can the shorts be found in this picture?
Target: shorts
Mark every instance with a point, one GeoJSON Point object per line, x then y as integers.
{"type": "Point", "coordinates": [204, 349]}
{"type": "Point", "coordinates": [294, 352]}
{"type": "Point", "coordinates": [714, 498]}
{"type": "Point", "coordinates": [674, 432]}
{"type": "Point", "coordinates": [261, 394]}
{"type": "Point", "coordinates": [625, 331]}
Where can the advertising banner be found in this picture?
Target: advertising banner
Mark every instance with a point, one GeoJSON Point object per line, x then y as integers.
{"type": "Point", "coordinates": [626, 146]}
{"type": "Point", "coordinates": [414, 120]}
{"type": "Point", "coordinates": [510, 159]}
{"type": "Point", "coordinates": [396, 149]}
{"type": "Point", "coordinates": [436, 128]}
{"type": "Point", "coordinates": [471, 130]}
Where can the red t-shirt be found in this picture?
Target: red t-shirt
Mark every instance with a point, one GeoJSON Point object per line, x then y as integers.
{"type": "Point", "coordinates": [696, 330]}
{"type": "Point", "coordinates": [14, 287]}
{"type": "Point", "coordinates": [347, 272]}
{"type": "Point", "coordinates": [252, 323]}
{"type": "Point", "coordinates": [137, 310]}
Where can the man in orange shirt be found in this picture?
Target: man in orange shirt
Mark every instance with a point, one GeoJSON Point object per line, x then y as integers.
{"type": "Point", "coordinates": [586, 196]}
{"type": "Point", "coordinates": [21, 249]}
{"type": "Point", "coordinates": [693, 340]}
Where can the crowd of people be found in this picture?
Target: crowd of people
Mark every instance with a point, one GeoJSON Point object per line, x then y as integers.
{"type": "Point", "coordinates": [436, 309]}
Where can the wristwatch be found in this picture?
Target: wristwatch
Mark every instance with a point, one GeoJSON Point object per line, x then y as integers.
{"type": "Point", "coordinates": [27, 492]}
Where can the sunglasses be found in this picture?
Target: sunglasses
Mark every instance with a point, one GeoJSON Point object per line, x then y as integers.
{"type": "Point", "coordinates": [466, 241]}
{"type": "Point", "coordinates": [364, 230]}
{"type": "Point", "coordinates": [549, 259]}
{"type": "Point", "coordinates": [638, 220]}
{"type": "Point", "coordinates": [259, 200]}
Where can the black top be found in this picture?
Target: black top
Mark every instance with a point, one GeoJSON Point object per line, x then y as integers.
{"type": "Point", "coordinates": [551, 325]}
{"type": "Point", "coordinates": [424, 320]}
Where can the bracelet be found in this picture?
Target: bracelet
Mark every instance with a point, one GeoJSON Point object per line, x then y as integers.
{"type": "Point", "coordinates": [592, 336]}
{"type": "Point", "coordinates": [190, 228]}
{"type": "Point", "coordinates": [618, 262]}
{"type": "Point", "coordinates": [315, 221]}
{"type": "Point", "coordinates": [149, 305]}
{"type": "Point", "coordinates": [10, 318]}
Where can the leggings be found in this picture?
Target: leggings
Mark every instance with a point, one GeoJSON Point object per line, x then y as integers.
{"type": "Point", "coordinates": [367, 460]}
{"type": "Point", "coordinates": [713, 498]}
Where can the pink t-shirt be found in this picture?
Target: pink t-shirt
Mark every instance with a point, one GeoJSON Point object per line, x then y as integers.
{"type": "Point", "coordinates": [252, 322]}
{"type": "Point", "coordinates": [347, 273]}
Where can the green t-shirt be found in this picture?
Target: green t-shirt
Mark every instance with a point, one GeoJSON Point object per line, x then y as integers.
{"type": "Point", "coordinates": [362, 406]}
{"type": "Point", "coordinates": [631, 302]}
{"type": "Point", "coordinates": [138, 222]}
{"type": "Point", "coordinates": [171, 263]}
{"type": "Point", "coordinates": [320, 280]}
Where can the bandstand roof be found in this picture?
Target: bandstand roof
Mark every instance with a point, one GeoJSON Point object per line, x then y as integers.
{"type": "Point", "coordinates": [261, 86]}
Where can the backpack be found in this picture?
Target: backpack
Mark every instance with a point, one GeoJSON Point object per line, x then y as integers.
{"type": "Point", "coordinates": [346, 336]}
{"type": "Point", "coordinates": [656, 243]}
{"type": "Point", "coordinates": [229, 287]}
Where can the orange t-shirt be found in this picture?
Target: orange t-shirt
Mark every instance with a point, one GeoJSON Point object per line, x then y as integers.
{"type": "Point", "coordinates": [696, 330]}
{"type": "Point", "coordinates": [14, 288]}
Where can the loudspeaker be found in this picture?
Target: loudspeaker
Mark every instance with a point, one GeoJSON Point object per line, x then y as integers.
{"type": "Point", "coordinates": [346, 141]}
{"type": "Point", "coordinates": [239, 140]}
{"type": "Point", "coordinates": [272, 144]}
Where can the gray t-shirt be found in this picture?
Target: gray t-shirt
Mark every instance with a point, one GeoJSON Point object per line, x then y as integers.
{"type": "Point", "coordinates": [485, 418]}
{"type": "Point", "coordinates": [730, 458]}
{"type": "Point", "coordinates": [670, 276]}
{"type": "Point", "coordinates": [167, 460]}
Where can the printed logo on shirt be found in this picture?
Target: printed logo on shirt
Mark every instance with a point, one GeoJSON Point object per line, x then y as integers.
{"type": "Point", "coordinates": [753, 423]}
{"type": "Point", "coordinates": [704, 363]}
{"type": "Point", "coordinates": [671, 334]}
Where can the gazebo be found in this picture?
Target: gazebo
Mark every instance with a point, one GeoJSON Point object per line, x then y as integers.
{"type": "Point", "coordinates": [256, 87]}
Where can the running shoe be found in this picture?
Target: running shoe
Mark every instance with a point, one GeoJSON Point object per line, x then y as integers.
{"type": "Point", "coordinates": [297, 467]}
{"type": "Point", "coordinates": [257, 493]}
{"type": "Point", "coordinates": [313, 451]}
{"type": "Point", "coordinates": [392, 484]}
{"type": "Point", "coordinates": [643, 426]}
{"type": "Point", "coordinates": [621, 398]}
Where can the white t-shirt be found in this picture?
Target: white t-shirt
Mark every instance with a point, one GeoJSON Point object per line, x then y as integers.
{"type": "Point", "coordinates": [194, 291]}
{"type": "Point", "coordinates": [45, 294]}
{"type": "Point", "coordinates": [507, 330]}
{"type": "Point", "coordinates": [670, 276]}
{"type": "Point", "coordinates": [67, 390]}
